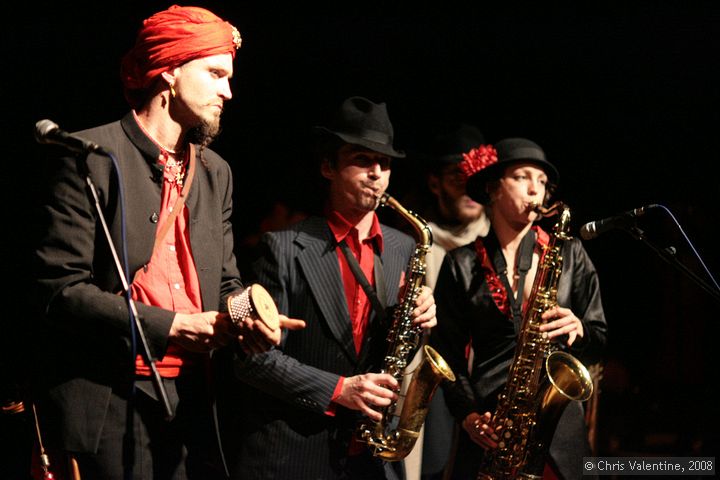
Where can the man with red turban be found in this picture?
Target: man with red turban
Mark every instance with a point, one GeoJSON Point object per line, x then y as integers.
{"type": "Point", "coordinates": [172, 196]}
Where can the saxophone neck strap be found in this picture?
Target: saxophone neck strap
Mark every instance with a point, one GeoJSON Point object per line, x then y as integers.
{"type": "Point", "coordinates": [375, 295]}
{"type": "Point", "coordinates": [524, 262]}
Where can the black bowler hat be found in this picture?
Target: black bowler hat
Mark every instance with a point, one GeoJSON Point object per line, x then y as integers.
{"type": "Point", "coordinates": [362, 122]}
{"type": "Point", "coordinates": [448, 146]}
{"type": "Point", "coordinates": [509, 151]}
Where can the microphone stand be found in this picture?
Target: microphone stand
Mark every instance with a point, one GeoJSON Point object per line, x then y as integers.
{"type": "Point", "coordinates": [135, 318]}
{"type": "Point", "coordinates": [668, 254]}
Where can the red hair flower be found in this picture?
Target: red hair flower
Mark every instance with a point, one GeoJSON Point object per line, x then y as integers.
{"type": "Point", "coordinates": [478, 159]}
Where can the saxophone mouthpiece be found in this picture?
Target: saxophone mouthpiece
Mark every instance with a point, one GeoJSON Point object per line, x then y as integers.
{"type": "Point", "coordinates": [381, 199]}
{"type": "Point", "coordinates": [553, 209]}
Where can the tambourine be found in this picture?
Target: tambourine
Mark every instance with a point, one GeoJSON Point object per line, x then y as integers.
{"type": "Point", "coordinates": [254, 302]}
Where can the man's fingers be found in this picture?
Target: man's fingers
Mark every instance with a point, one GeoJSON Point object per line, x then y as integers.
{"type": "Point", "coordinates": [425, 299]}
{"type": "Point", "coordinates": [384, 381]}
{"type": "Point", "coordinates": [375, 389]}
{"type": "Point", "coordinates": [291, 323]}
{"type": "Point", "coordinates": [373, 397]}
{"type": "Point", "coordinates": [369, 412]}
{"type": "Point", "coordinates": [264, 335]}
{"type": "Point", "coordinates": [259, 338]}
{"type": "Point", "coordinates": [368, 392]}
{"type": "Point", "coordinates": [426, 316]}
{"type": "Point", "coordinates": [380, 396]}
{"type": "Point", "coordinates": [223, 330]}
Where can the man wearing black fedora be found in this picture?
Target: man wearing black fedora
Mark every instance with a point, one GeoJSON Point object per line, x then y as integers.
{"type": "Point", "coordinates": [299, 414]}
{"type": "Point", "coordinates": [482, 290]}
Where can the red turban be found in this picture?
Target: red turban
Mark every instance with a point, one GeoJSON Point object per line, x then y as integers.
{"type": "Point", "coordinates": [171, 38]}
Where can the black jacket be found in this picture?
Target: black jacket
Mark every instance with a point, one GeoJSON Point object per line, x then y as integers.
{"type": "Point", "coordinates": [466, 312]}
{"type": "Point", "coordinates": [84, 329]}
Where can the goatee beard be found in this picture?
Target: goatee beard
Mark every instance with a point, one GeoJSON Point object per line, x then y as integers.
{"type": "Point", "coordinates": [205, 133]}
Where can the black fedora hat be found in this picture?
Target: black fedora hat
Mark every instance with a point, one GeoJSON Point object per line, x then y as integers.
{"type": "Point", "coordinates": [510, 151]}
{"type": "Point", "coordinates": [362, 122]}
{"type": "Point", "coordinates": [448, 146]}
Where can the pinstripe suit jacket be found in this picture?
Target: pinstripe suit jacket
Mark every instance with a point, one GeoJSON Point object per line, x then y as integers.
{"type": "Point", "coordinates": [284, 429]}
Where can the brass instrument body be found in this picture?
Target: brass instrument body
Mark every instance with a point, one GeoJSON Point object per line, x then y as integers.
{"type": "Point", "coordinates": [394, 441]}
{"type": "Point", "coordinates": [541, 382]}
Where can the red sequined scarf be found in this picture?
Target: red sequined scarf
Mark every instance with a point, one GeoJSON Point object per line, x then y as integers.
{"type": "Point", "coordinates": [495, 285]}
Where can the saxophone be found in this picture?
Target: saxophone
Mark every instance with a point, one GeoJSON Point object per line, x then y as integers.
{"type": "Point", "coordinates": [542, 380]}
{"type": "Point", "coordinates": [393, 437]}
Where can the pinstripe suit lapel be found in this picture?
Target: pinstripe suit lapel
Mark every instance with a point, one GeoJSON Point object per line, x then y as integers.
{"type": "Point", "coordinates": [319, 262]}
{"type": "Point", "coordinates": [393, 265]}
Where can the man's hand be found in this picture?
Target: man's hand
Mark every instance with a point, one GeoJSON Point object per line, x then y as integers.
{"type": "Point", "coordinates": [424, 312]}
{"type": "Point", "coordinates": [202, 332]}
{"type": "Point", "coordinates": [362, 392]}
{"type": "Point", "coordinates": [256, 337]}
{"type": "Point", "coordinates": [205, 331]}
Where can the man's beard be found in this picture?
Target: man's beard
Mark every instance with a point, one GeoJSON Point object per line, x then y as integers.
{"type": "Point", "coordinates": [204, 133]}
{"type": "Point", "coordinates": [455, 212]}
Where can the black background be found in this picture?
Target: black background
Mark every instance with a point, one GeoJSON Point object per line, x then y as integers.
{"type": "Point", "coordinates": [623, 98]}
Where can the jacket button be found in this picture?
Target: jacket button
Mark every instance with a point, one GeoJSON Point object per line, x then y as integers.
{"type": "Point", "coordinates": [154, 217]}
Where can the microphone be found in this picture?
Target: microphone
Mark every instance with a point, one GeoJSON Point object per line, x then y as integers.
{"type": "Point", "coordinates": [47, 131]}
{"type": "Point", "coordinates": [594, 229]}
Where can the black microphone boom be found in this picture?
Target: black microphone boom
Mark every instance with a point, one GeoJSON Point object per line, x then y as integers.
{"type": "Point", "coordinates": [594, 229]}
{"type": "Point", "coordinates": [47, 131]}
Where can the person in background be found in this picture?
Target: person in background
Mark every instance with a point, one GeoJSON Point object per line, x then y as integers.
{"type": "Point", "coordinates": [455, 220]}
{"type": "Point", "coordinates": [481, 292]}
{"type": "Point", "coordinates": [300, 404]}
{"type": "Point", "coordinates": [98, 401]}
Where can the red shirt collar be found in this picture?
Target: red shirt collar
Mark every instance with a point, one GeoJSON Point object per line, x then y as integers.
{"type": "Point", "coordinates": [341, 228]}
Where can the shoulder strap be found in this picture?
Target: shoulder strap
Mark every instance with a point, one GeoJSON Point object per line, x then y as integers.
{"type": "Point", "coordinates": [378, 303]}
{"type": "Point", "coordinates": [524, 262]}
{"type": "Point", "coordinates": [180, 202]}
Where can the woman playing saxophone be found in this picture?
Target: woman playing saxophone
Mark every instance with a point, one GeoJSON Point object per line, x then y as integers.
{"type": "Point", "coordinates": [481, 294]}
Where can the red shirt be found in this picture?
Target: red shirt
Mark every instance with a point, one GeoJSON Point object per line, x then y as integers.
{"type": "Point", "coordinates": [170, 280]}
{"type": "Point", "coordinates": [358, 303]}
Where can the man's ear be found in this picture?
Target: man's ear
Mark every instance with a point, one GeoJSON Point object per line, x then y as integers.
{"type": "Point", "coordinates": [326, 170]}
{"type": "Point", "coordinates": [433, 183]}
{"type": "Point", "coordinates": [168, 77]}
